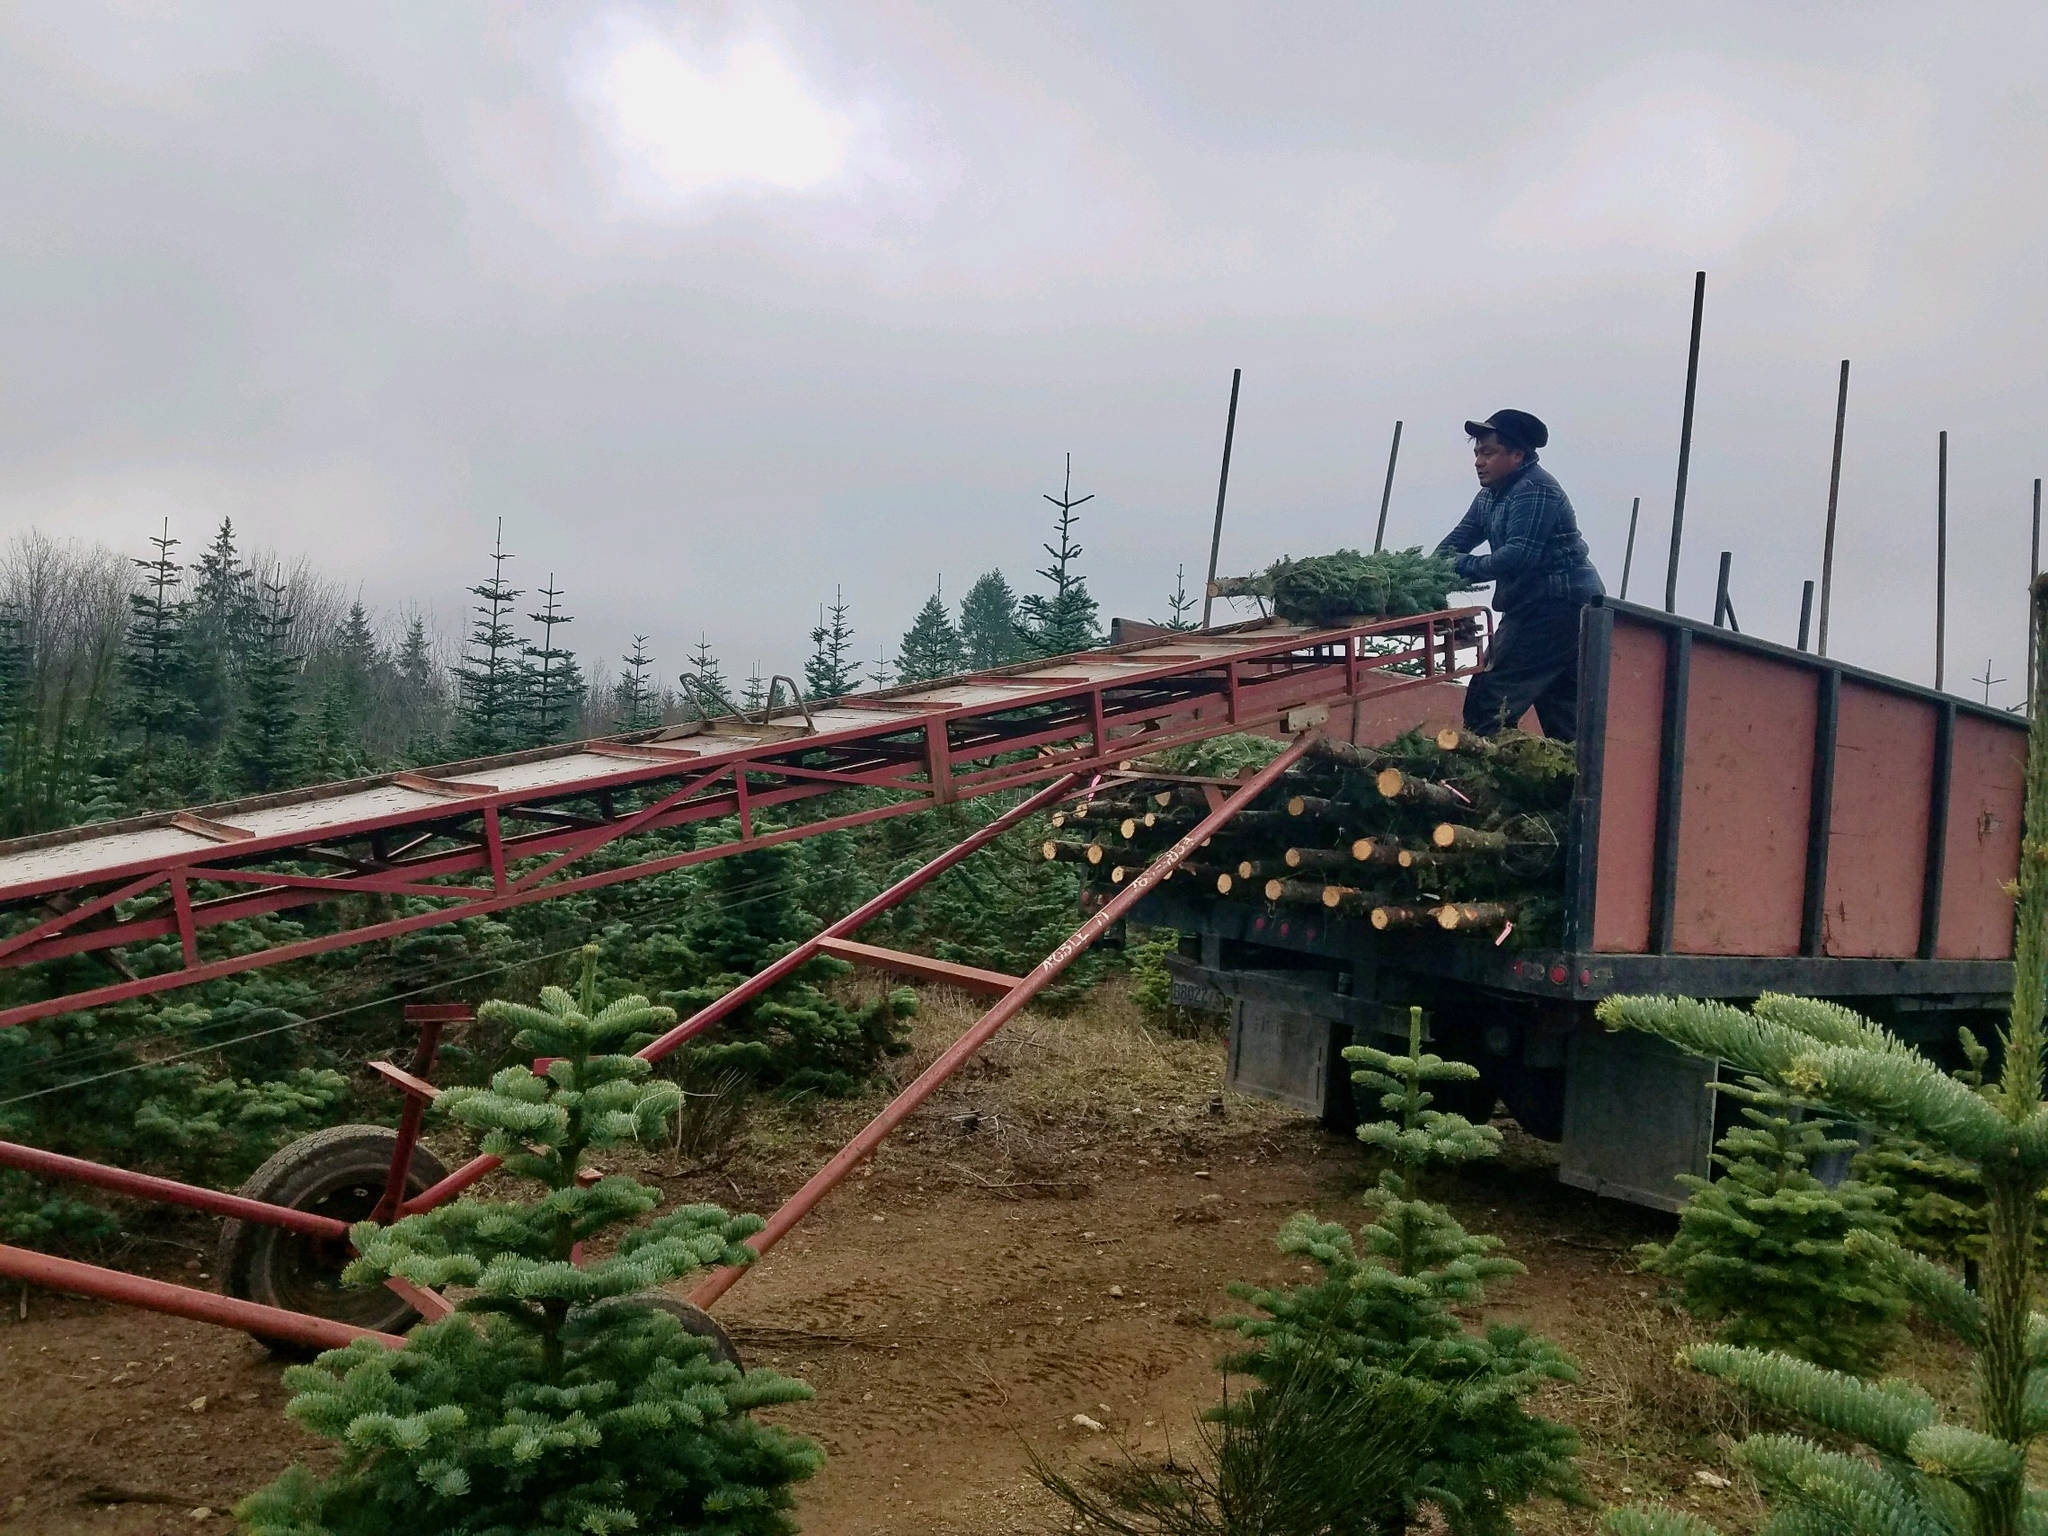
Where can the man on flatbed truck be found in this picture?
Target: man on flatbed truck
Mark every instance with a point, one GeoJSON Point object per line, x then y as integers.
{"type": "Point", "coordinates": [1542, 578]}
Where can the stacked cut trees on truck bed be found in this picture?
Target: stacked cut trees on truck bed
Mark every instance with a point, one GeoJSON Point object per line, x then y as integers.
{"type": "Point", "coordinates": [1450, 832]}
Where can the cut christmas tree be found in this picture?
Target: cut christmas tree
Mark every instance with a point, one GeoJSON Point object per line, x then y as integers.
{"type": "Point", "coordinates": [1451, 833]}
{"type": "Point", "coordinates": [1326, 590]}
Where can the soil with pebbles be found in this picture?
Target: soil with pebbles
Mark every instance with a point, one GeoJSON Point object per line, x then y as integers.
{"type": "Point", "coordinates": [1048, 1238]}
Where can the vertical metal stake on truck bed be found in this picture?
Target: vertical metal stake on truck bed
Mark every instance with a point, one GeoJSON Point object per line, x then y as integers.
{"type": "Point", "coordinates": [1628, 555]}
{"type": "Point", "coordinates": [1379, 538]}
{"type": "Point", "coordinates": [1941, 563]}
{"type": "Point", "coordinates": [1222, 486]}
{"type": "Point", "coordinates": [1827, 546]}
{"type": "Point", "coordinates": [2034, 574]}
{"type": "Point", "coordinates": [1692, 380]}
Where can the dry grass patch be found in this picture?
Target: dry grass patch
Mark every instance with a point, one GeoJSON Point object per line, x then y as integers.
{"type": "Point", "coordinates": [1055, 1101]}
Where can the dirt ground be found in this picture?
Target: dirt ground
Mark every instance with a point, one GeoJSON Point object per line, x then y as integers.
{"type": "Point", "coordinates": [1048, 1238]}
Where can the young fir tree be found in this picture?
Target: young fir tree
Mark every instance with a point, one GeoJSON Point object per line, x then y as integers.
{"type": "Point", "coordinates": [988, 624]}
{"type": "Point", "coordinates": [264, 745]}
{"type": "Point", "coordinates": [755, 699]}
{"type": "Point", "coordinates": [1390, 1314]}
{"type": "Point", "coordinates": [17, 722]}
{"type": "Point", "coordinates": [931, 646]}
{"type": "Point", "coordinates": [797, 1038]}
{"type": "Point", "coordinates": [223, 628]}
{"type": "Point", "coordinates": [1918, 1472]}
{"type": "Point", "coordinates": [831, 670]}
{"type": "Point", "coordinates": [489, 705]}
{"type": "Point", "coordinates": [48, 738]}
{"type": "Point", "coordinates": [1180, 603]}
{"type": "Point", "coordinates": [634, 705]}
{"type": "Point", "coordinates": [1004, 910]}
{"type": "Point", "coordinates": [1765, 1250]}
{"type": "Point", "coordinates": [708, 692]}
{"type": "Point", "coordinates": [337, 736]}
{"type": "Point", "coordinates": [422, 701]}
{"type": "Point", "coordinates": [554, 683]}
{"type": "Point", "coordinates": [332, 739]}
{"type": "Point", "coordinates": [1940, 1206]}
{"type": "Point", "coordinates": [154, 662]}
{"type": "Point", "coordinates": [558, 1399]}
{"type": "Point", "coordinates": [358, 660]}
{"type": "Point", "coordinates": [1063, 620]}
{"type": "Point", "coordinates": [881, 671]}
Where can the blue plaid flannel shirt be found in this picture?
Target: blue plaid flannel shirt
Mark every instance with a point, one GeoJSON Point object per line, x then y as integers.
{"type": "Point", "coordinates": [1537, 554]}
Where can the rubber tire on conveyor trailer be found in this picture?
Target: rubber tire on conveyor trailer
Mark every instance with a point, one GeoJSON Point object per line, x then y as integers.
{"type": "Point", "coordinates": [694, 1320]}
{"type": "Point", "coordinates": [337, 1172]}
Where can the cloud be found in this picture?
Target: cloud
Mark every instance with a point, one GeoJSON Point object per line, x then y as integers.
{"type": "Point", "coordinates": [1700, 157]}
{"type": "Point", "coordinates": [683, 124]}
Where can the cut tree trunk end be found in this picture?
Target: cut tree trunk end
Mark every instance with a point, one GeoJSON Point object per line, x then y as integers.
{"type": "Point", "coordinates": [1472, 914]}
{"type": "Point", "coordinates": [1400, 917]}
{"type": "Point", "coordinates": [1298, 893]}
{"type": "Point", "coordinates": [1071, 853]}
{"type": "Point", "coordinates": [1343, 752]}
{"type": "Point", "coordinates": [1451, 739]}
{"type": "Point", "coordinates": [1323, 859]}
{"type": "Point", "coordinates": [1396, 785]}
{"type": "Point", "coordinates": [1451, 835]}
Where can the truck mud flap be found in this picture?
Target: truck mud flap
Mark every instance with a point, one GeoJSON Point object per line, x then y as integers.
{"type": "Point", "coordinates": [1277, 1054]}
{"type": "Point", "coordinates": [1637, 1113]}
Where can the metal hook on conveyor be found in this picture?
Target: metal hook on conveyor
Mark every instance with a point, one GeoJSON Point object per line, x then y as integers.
{"type": "Point", "coordinates": [694, 692]}
{"type": "Point", "coordinates": [796, 693]}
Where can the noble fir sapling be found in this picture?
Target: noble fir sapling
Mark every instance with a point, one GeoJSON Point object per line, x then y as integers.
{"type": "Point", "coordinates": [1919, 1473]}
{"type": "Point", "coordinates": [1062, 621]}
{"type": "Point", "coordinates": [832, 671]}
{"type": "Point", "coordinates": [1940, 1200]}
{"type": "Point", "coordinates": [556, 1400]}
{"type": "Point", "coordinates": [988, 623]}
{"type": "Point", "coordinates": [488, 676]}
{"type": "Point", "coordinates": [931, 647]}
{"type": "Point", "coordinates": [1765, 1249]}
{"type": "Point", "coordinates": [1388, 1313]}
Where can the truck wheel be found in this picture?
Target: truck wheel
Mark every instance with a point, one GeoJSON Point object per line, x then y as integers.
{"type": "Point", "coordinates": [337, 1172]}
{"type": "Point", "coordinates": [1474, 1098]}
{"type": "Point", "coordinates": [1535, 1097]}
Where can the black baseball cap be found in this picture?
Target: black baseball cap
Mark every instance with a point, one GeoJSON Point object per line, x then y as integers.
{"type": "Point", "coordinates": [1518, 429]}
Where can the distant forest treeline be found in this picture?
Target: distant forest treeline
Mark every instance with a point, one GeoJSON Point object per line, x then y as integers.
{"type": "Point", "coordinates": [143, 680]}
{"type": "Point", "coordinates": [136, 681]}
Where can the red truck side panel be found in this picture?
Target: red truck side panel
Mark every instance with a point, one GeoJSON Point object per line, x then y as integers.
{"type": "Point", "coordinates": [1634, 725]}
{"type": "Point", "coordinates": [1877, 848]}
{"type": "Point", "coordinates": [1986, 800]}
{"type": "Point", "coordinates": [1742, 821]}
{"type": "Point", "coordinates": [1748, 738]}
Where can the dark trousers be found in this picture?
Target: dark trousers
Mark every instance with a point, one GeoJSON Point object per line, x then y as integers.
{"type": "Point", "coordinates": [1534, 662]}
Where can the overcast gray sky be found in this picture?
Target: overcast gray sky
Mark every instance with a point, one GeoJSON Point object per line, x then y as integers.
{"type": "Point", "coordinates": [718, 306]}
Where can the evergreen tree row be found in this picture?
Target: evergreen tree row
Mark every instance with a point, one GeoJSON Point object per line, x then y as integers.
{"type": "Point", "coordinates": [135, 684]}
